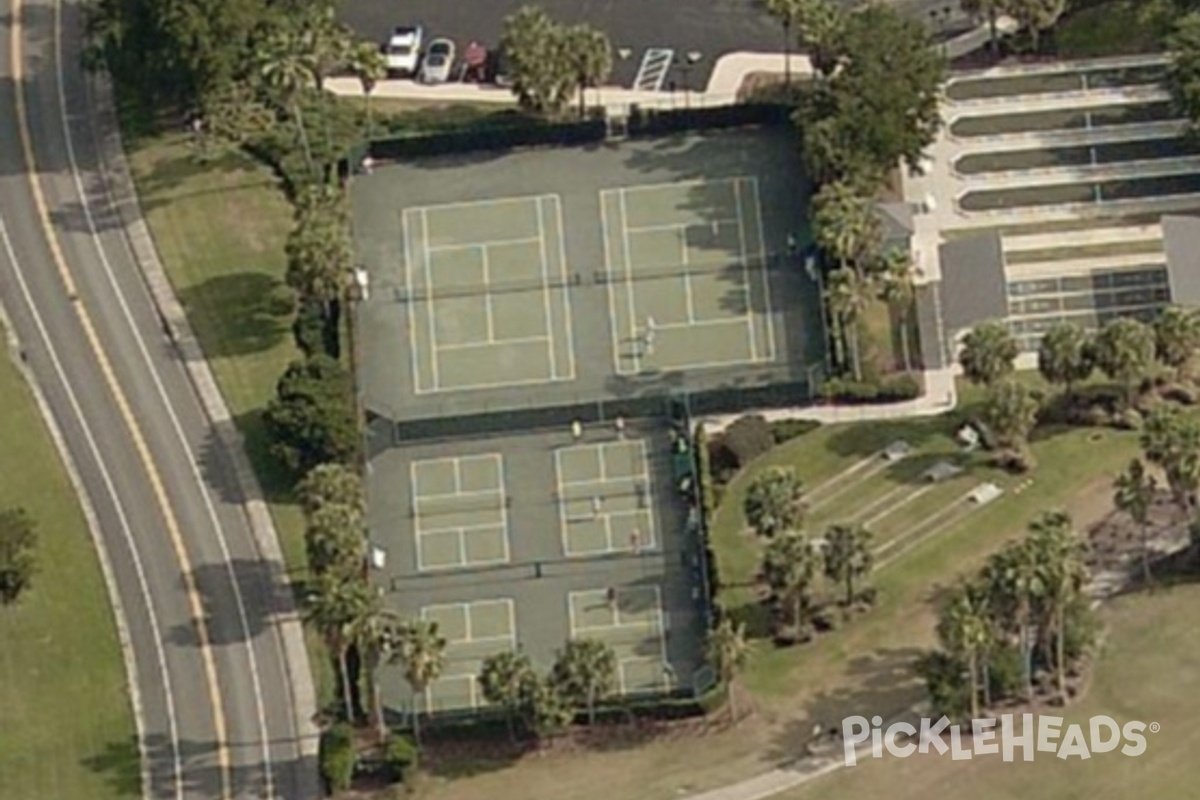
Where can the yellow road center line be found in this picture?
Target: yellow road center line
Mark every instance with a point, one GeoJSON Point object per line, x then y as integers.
{"type": "Point", "coordinates": [156, 482]}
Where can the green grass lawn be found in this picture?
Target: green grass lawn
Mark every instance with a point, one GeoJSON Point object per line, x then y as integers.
{"type": "Point", "coordinates": [1112, 28]}
{"type": "Point", "coordinates": [220, 231]}
{"type": "Point", "coordinates": [66, 725]}
{"type": "Point", "coordinates": [1145, 673]}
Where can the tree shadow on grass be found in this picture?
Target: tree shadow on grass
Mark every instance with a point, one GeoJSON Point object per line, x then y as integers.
{"type": "Point", "coordinates": [120, 764]}
{"type": "Point", "coordinates": [248, 312]}
{"type": "Point", "coordinates": [881, 683]}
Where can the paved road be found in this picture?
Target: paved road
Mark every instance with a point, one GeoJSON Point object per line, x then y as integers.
{"type": "Point", "coordinates": [711, 28]}
{"type": "Point", "coordinates": [211, 680]}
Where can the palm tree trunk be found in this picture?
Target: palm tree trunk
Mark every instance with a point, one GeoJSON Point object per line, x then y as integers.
{"type": "Point", "coordinates": [731, 700]}
{"type": "Point", "coordinates": [591, 700]}
{"type": "Point", "coordinates": [377, 710]}
{"type": "Point", "coordinates": [1146, 576]}
{"type": "Point", "coordinates": [1060, 651]}
{"type": "Point", "coordinates": [344, 669]}
{"type": "Point", "coordinates": [417, 717]}
{"type": "Point", "coordinates": [905, 351]}
{"type": "Point", "coordinates": [298, 115]}
{"type": "Point", "coordinates": [370, 118]}
{"type": "Point", "coordinates": [995, 35]}
{"type": "Point", "coordinates": [1026, 657]}
{"type": "Point", "coordinates": [787, 52]}
{"type": "Point", "coordinates": [987, 683]}
{"type": "Point", "coordinates": [855, 356]}
{"type": "Point", "coordinates": [849, 587]}
{"type": "Point", "coordinates": [973, 669]}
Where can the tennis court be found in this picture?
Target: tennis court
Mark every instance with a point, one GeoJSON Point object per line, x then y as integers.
{"type": "Point", "coordinates": [473, 631]}
{"type": "Point", "coordinates": [487, 289]}
{"type": "Point", "coordinates": [685, 264]}
{"type": "Point", "coordinates": [630, 620]}
{"type": "Point", "coordinates": [460, 512]}
{"type": "Point", "coordinates": [605, 498]}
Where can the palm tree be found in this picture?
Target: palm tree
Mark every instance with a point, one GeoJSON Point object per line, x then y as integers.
{"type": "Point", "coordinates": [992, 9]}
{"type": "Point", "coordinates": [290, 70]}
{"type": "Point", "coordinates": [1065, 355]}
{"type": "Point", "coordinates": [790, 565]}
{"type": "Point", "coordinates": [774, 502]}
{"type": "Point", "coordinates": [421, 652]}
{"type": "Point", "coordinates": [369, 66]}
{"type": "Point", "coordinates": [1177, 338]}
{"type": "Point", "coordinates": [988, 352]}
{"type": "Point", "coordinates": [335, 541]}
{"type": "Point", "coordinates": [1059, 554]}
{"type": "Point", "coordinates": [585, 672]}
{"type": "Point", "coordinates": [591, 59]}
{"type": "Point", "coordinates": [728, 650]}
{"type": "Point", "coordinates": [896, 288]}
{"type": "Point", "coordinates": [845, 223]}
{"type": "Point", "coordinates": [1170, 438]}
{"type": "Point", "coordinates": [330, 485]}
{"type": "Point", "coordinates": [1015, 586]}
{"type": "Point", "coordinates": [336, 607]}
{"type": "Point", "coordinates": [327, 41]}
{"type": "Point", "coordinates": [1133, 493]}
{"type": "Point", "coordinates": [373, 634]}
{"type": "Point", "coordinates": [816, 23]}
{"type": "Point", "coordinates": [1125, 353]}
{"type": "Point", "coordinates": [506, 680]}
{"type": "Point", "coordinates": [319, 255]}
{"type": "Point", "coordinates": [1010, 411]}
{"type": "Point", "coordinates": [965, 631]}
{"type": "Point", "coordinates": [848, 294]}
{"type": "Point", "coordinates": [847, 556]}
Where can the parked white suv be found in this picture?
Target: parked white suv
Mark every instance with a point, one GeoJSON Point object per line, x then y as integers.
{"type": "Point", "coordinates": [402, 51]}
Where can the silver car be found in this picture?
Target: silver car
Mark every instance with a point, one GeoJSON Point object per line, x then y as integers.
{"type": "Point", "coordinates": [439, 60]}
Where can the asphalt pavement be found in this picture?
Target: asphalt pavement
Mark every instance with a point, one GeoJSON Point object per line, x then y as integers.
{"type": "Point", "coordinates": [212, 685]}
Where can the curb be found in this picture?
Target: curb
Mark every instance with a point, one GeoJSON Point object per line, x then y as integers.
{"type": "Point", "coordinates": [125, 202]}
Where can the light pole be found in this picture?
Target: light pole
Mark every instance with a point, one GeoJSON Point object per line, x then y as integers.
{"type": "Point", "coordinates": [690, 60]}
{"type": "Point", "coordinates": [787, 50]}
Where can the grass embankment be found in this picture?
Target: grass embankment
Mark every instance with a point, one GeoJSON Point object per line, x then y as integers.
{"type": "Point", "coordinates": [66, 723]}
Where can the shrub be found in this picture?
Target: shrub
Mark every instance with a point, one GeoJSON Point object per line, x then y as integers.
{"type": "Point", "coordinates": [312, 419]}
{"type": "Point", "coordinates": [785, 430]}
{"type": "Point", "coordinates": [748, 438]}
{"type": "Point", "coordinates": [704, 470]}
{"type": "Point", "coordinates": [400, 757]}
{"type": "Point", "coordinates": [1180, 393]}
{"type": "Point", "coordinates": [1005, 673]}
{"type": "Point", "coordinates": [337, 758]}
{"type": "Point", "coordinates": [886, 390]}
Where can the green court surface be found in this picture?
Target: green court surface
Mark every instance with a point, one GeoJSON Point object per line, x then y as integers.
{"type": "Point", "coordinates": [487, 286]}
{"type": "Point", "coordinates": [473, 631]}
{"type": "Point", "coordinates": [632, 622]}
{"type": "Point", "coordinates": [460, 512]}
{"type": "Point", "coordinates": [685, 265]}
{"type": "Point", "coordinates": [605, 498]}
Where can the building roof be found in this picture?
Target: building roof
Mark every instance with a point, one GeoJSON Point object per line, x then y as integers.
{"type": "Point", "coordinates": [973, 286]}
{"type": "Point", "coordinates": [1181, 240]}
{"type": "Point", "coordinates": [897, 222]}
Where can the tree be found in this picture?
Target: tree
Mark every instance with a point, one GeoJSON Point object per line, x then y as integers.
{"type": "Point", "coordinates": [727, 650]}
{"type": "Point", "coordinates": [1177, 338]}
{"type": "Point", "coordinates": [1170, 438]}
{"type": "Point", "coordinates": [319, 255]}
{"type": "Point", "coordinates": [1183, 73]}
{"type": "Point", "coordinates": [1058, 551]}
{"type": "Point", "coordinates": [368, 65]}
{"type": "Point", "coordinates": [1125, 353]}
{"type": "Point", "coordinates": [506, 680]}
{"type": "Point", "coordinates": [847, 556]}
{"type": "Point", "coordinates": [896, 288]}
{"type": "Point", "coordinates": [1010, 411]}
{"type": "Point", "coordinates": [585, 673]}
{"type": "Point", "coordinates": [331, 485]}
{"type": "Point", "coordinates": [590, 56]}
{"type": "Point", "coordinates": [288, 69]}
{"type": "Point", "coordinates": [816, 24]}
{"type": "Point", "coordinates": [335, 541]}
{"type": "Point", "coordinates": [1035, 16]}
{"type": "Point", "coordinates": [18, 554]}
{"type": "Point", "coordinates": [311, 421]}
{"type": "Point", "coordinates": [1065, 355]}
{"type": "Point", "coordinates": [988, 352]}
{"type": "Point", "coordinates": [848, 292]}
{"type": "Point", "coordinates": [774, 502]}
{"type": "Point", "coordinates": [1133, 493]}
{"type": "Point", "coordinates": [328, 42]}
{"type": "Point", "coordinates": [845, 223]}
{"type": "Point", "coordinates": [421, 651]}
{"type": "Point", "coordinates": [548, 710]}
{"type": "Point", "coordinates": [335, 607]}
{"type": "Point", "coordinates": [965, 631]}
{"type": "Point", "coordinates": [373, 633]}
{"type": "Point", "coordinates": [789, 565]}
{"type": "Point", "coordinates": [1014, 585]}
{"type": "Point", "coordinates": [540, 66]}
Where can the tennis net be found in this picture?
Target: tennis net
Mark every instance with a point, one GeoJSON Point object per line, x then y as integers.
{"type": "Point", "coordinates": [459, 504]}
{"type": "Point", "coordinates": [418, 293]}
{"type": "Point", "coordinates": [573, 494]}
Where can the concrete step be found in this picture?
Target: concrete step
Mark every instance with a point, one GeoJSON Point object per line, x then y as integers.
{"type": "Point", "coordinates": [1082, 266]}
{"type": "Point", "coordinates": [1065, 101]}
{"type": "Point", "coordinates": [1036, 140]}
{"type": "Point", "coordinates": [1052, 176]}
{"type": "Point", "coordinates": [1116, 233]}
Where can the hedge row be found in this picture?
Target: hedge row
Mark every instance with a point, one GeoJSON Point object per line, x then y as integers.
{"type": "Point", "coordinates": [887, 390]}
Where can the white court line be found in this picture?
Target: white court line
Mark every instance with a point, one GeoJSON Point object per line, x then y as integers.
{"type": "Point", "coordinates": [633, 321]}
{"type": "Point", "coordinates": [474, 345]}
{"type": "Point", "coordinates": [473, 245]}
{"type": "Point", "coordinates": [489, 316]}
{"type": "Point", "coordinates": [700, 323]}
{"type": "Point", "coordinates": [433, 357]}
{"type": "Point", "coordinates": [565, 294]}
{"type": "Point", "coordinates": [688, 300]}
{"type": "Point", "coordinates": [497, 492]}
{"type": "Point", "coordinates": [411, 310]}
{"type": "Point", "coordinates": [654, 187]}
{"type": "Point", "coordinates": [737, 201]}
{"type": "Point", "coordinates": [499, 461]}
{"type": "Point", "coordinates": [500, 201]}
{"type": "Point", "coordinates": [541, 240]}
{"type": "Point", "coordinates": [766, 276]}
{"type": "Point", "coordinates": [468, 387]}
{"type": "Point", "coordinates": [685, 225]}
{"type": "Point", "coordinates": [610, 268]}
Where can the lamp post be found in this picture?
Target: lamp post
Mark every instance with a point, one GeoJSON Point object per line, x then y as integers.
{"type": "Point", "coordinates": [689, 61]}
{"type": "Point", "coordinates": [787, 50]}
